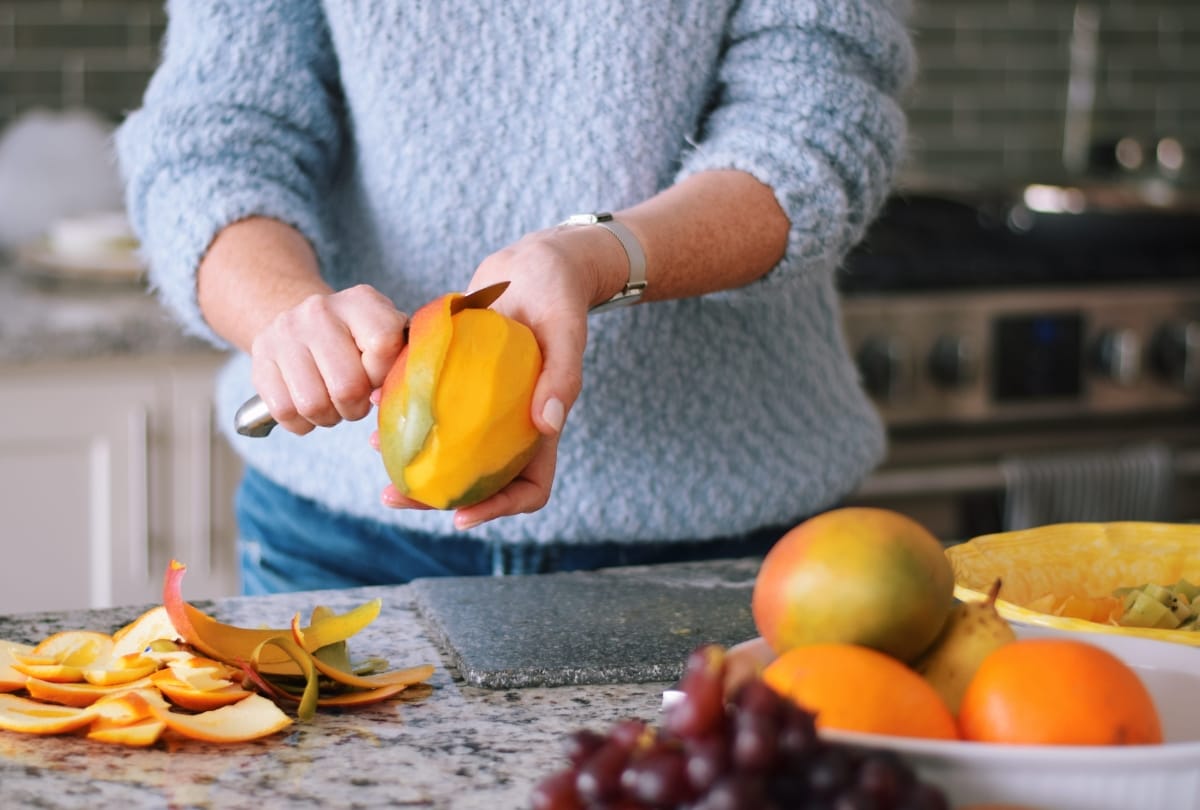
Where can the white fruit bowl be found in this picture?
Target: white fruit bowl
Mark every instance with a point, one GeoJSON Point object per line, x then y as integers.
{"type": "Point", "coordinates": [1079, 777]}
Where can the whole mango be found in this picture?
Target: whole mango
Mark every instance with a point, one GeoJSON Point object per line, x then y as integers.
{"type": "Point", "coordinates": [855, 575]}
{"type": "Point", "coordinates": [454, 419]}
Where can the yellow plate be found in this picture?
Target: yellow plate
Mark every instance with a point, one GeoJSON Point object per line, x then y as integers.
{"type": "Point", "coordinates": [1085, 560]}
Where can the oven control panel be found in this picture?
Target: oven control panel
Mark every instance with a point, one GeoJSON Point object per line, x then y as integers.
{"type": "Point", "coordinates": [974, 356]}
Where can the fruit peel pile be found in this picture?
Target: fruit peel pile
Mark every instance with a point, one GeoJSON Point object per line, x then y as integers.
{"type": "Point", "coordinates": [455, 422]}
{"type": "Point", "coordinates": [175, 669]}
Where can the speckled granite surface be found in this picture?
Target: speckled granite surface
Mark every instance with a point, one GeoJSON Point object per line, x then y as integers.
{"type": "Point", "coordinates": [623, 625]}
{"type": "Point", "coordinates": [41, 321]}
{"type": "Point", "coordinates": [457, 747]}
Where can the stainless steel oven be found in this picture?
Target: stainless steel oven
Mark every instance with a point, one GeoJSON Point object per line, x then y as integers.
{"type": "Point", "coordinates": [1029, 368]}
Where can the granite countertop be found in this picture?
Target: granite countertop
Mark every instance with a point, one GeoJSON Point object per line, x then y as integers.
{"type": "Point", "coordinates": [457, 747]}
{"type": "Point", "coordinates": [44, 320]}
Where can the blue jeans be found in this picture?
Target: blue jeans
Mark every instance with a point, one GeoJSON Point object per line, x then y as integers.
{"type": "Point", "coordinates": [289, 543]}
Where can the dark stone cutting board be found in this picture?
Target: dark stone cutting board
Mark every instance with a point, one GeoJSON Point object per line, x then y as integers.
{"type": "Point", "coordinates": [616, 625]}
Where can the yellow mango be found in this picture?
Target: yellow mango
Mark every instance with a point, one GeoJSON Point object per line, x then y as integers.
{"type": "Point", "coordinates": [454, 419]}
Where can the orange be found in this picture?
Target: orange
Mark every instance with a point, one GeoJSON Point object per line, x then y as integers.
{"type": "Point", "coordinates": [1051, 691]}
{"type": "Point", "coordinates": [856, 688]}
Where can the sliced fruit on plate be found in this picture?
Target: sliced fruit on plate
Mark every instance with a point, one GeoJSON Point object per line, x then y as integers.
{"type": "Point", "coordinates": [33, 717]}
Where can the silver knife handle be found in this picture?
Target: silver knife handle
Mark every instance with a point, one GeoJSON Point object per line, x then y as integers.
{"type": "Point", "coordinates": [253, 418]}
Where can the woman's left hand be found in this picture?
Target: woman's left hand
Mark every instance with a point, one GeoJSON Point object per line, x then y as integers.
{"type": "Point", "coordinates": [555, 276]}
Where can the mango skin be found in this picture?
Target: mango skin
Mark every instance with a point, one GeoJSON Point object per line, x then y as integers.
{"type": "Point", "coordinates": [856, 575]}
{"type": "Point", "coordinates": [455, 423]}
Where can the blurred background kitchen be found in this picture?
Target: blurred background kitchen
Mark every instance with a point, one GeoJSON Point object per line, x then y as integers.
{"type": "Point", "coordinates": [1026, 313]}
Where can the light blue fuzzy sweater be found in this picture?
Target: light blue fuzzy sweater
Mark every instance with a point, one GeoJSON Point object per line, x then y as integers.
{"type": "Point", "coordinates": [408, 140]}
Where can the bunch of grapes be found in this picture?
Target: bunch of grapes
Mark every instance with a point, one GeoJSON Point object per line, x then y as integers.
{"type": "Point", "coordinates": [756, 751]}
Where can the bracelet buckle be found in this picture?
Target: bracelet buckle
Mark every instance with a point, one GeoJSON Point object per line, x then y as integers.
{"type": "Point", "coordinates": [635, 287]}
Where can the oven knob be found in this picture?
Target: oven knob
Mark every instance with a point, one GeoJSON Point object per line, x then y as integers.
{"type": "Point", "coordinates": [1175, 354]}
{"type": "Point", "coordinates": [879, 360]}
{"type": "Point", "coordinates": [1117, 356]}
{"type": "Point", "coordinates": [951, 364]}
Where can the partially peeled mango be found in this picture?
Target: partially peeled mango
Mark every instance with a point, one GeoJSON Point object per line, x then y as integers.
{"type": "Point", "coordinates": [455, 423]}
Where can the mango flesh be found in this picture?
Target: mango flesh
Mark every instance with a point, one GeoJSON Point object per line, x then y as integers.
{"type": "Point", "coordinates": [455, 423]}
{"type": "Point", "coordinates": [856, 575]}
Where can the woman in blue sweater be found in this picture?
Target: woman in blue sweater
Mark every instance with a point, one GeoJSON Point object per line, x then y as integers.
{"type": "Point", "coordinates": [302, 174]}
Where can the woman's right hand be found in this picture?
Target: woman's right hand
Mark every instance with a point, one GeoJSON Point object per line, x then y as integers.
{"type": "Point", "coordinates": [317, 363]}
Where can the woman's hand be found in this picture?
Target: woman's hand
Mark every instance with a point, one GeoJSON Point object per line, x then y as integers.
{"type": "Point", "coordinates": [555, 276]}
{"type": "Point", "coordinates": [316, 354]}
{"type": "Point", "coordinates": [318, 362]}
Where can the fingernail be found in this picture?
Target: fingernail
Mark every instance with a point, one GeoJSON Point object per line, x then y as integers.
{"type": "Point", "coordinates": [462, 524]}
{"type": "Point", "coordinates": [553, 413]}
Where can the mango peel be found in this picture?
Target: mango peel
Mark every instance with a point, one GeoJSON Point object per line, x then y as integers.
{"type": "Point", "coordinates": [156, 675]}
{"type": "Point", "coordinates": [455, 422]}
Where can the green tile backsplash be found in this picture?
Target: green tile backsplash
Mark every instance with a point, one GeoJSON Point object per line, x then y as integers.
{"type": "Point", "coordinates": [990, 104]}
{"type": "Point", "coordinates": [991, 101]}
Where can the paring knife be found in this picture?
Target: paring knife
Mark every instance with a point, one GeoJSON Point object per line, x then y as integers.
{"type": "Point", "coordinates": [253, 419]}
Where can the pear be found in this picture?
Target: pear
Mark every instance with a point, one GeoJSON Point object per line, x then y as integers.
{"type": "Point", "coordinates": [972, 631]}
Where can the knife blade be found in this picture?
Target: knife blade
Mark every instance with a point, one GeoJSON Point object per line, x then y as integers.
{"type": "Point", "coordinates": [254, 418]}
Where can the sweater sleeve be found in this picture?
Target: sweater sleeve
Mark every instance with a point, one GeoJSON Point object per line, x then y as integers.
{"type": "Point", "coordinates": [807, 101]}
{"type": "Point", "coordinates": [241, 118]}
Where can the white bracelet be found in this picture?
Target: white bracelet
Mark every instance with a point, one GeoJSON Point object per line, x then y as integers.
{"type": "Point", "coordinates": [635, 287]}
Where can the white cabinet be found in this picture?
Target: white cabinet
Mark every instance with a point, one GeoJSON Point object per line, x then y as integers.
{"type": "Point", "coordinates": [108, 470]}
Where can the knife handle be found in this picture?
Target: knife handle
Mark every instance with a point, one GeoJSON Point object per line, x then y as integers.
{"type": "Point", "coordinates": [253, 418]}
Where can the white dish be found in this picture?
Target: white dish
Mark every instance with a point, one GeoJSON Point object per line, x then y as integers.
{"type": "Point", "coordinates": [1079, 777]}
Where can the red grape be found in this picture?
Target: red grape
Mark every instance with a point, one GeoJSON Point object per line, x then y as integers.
{"type": "Point", "coordinates": [657, 777]}
{"type": "Point", "coordinates": [701, 709]}
{"type": "Point", "coordinates": [599, 777]}
{"type": "Point", "coordinates": [557, 792]}
{"type": "Point", "coordinates": [759, 751]}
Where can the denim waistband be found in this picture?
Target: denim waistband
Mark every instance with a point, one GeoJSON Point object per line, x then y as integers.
{"type": "Point", "coordinates": [288, 543]}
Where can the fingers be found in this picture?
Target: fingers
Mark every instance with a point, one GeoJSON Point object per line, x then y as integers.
{"type": "Point", "coordinates": [320, 362]}
{"type": "Point", "coordinates": [527, 493]}
{"type": "Point", "coordinates": [561, 380]}
{"type": "Point", "coordinates": [378, 331]}
{"type": "Point", "coordinates": [393, 498]}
